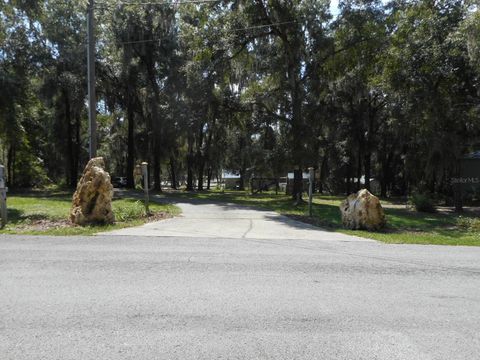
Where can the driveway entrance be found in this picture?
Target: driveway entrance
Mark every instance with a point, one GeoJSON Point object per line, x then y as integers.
{"type": "Point", "coordinates": [223, 220]}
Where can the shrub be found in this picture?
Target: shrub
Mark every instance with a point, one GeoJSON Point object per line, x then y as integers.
{"type": "Point", "coordinates": [132, 211]}
{"type": "Point", "coordinates": [469, 224]}
{"type": "Point", "coordinates": [423, 203]}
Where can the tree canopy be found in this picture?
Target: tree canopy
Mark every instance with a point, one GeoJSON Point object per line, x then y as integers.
{"type": "Point", "coordinates": [380, 90]}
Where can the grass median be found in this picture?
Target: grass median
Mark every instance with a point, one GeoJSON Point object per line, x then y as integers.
{"type": "Point", "coordinates": [404, 225]}
{"type": "Point", "coordinates": [46, 213]}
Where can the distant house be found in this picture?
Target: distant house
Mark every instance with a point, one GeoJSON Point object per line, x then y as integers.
{"type": "Point", "coordinates": [289, 184]}
{"type": "Point", "coordinates": [290, 176]}
{"type": "Point", "coordinates": [374, 184]}
{"type": "Point", "coordinates": [231, 180]}
{"type": "Point", "coordinates": [472, 155]}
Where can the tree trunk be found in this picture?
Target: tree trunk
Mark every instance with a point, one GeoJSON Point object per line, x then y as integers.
{"type": "Point", "coordinates": [201, 168]}
{"type": "Point", "coordinates": [367, 156]}
{"type": "Point", "coordinates": [432, 182]}
{"type": "Point", "coordinates": [298, 184]}
{"type": "Point", "coordinates": [292, 56]}
{"type": "Point", "coordinates": [156, 174]}
{"type": "Point", "coordinates": [209, 177]}
{"type": "Point", "coordinates": [156, 145]}
{"type": "Point", "coordinates": [383, 187]}
{"type": "Point", "coordinates": [190, 157]}
{"type": "Point", "coordinates": [241, 184]}
{"type": "Point", "coordinates": [359, 166]}
{"type": "Point", "coordinates": [71, 176]}
{"type": "Point", "coordinates": [348, 186]}
{"type": "Point", "coordinates": [10, 166]}
{"type": "Point", "coordinates": [200, 158]}
{"type": "Point", "coordinates": [206, 157]}
{"type": "Point", "coordinates": [14, 165]}
{"type": "Point", "coordinates": [368, 164]}
{"type": "Point", "coordinates": [297, 129]}
{"type": "Point", "coordinates": [297, 192]}
{"type": "Point", "coordinates": [78, 146]}
{"type": "Point", "coordinates": [371, 115]}
{"type": "Point", "coordinates": [173, 174]}
{"type": "Point", "coordinates": [323, 171]}
{"type": "Point", "coordinates": [156, 120]}
{"type": "Point", "coordinates": [385, 178]}
{"type": "Point", "coordinates": [458, 197]}
{"type": "Point", "coordinates": [130, 146]}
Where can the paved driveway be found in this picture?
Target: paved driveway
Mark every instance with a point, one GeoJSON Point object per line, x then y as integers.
{"type": "Point", "coordinates": [221, 220]}
{"type": "Point", "coordinates": [111, 297]}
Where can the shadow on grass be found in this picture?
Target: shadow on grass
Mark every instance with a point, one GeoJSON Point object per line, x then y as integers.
{"type": "Point", "coordinates": [56, 195]}
{"type": "Point", "coordinates": [403, 225]}
{"type": "Point", "coordinates": [16, 216]}
{"type": "Point", "coordinates": [400, 222]}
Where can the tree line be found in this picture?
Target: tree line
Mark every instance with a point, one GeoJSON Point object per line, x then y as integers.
{"type": "Point", "coordinates": [380, 90]}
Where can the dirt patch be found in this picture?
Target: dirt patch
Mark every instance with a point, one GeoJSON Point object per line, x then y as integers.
{"type": "Point", "coordinates": [45, 224]}
{"type": "Point", "coordinates": [161, 215]}
{"type": "Point", "coordinates": [48, 224]}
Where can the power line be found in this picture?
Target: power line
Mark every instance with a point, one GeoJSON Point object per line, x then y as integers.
{"type": "Point", "coordinates": [266, 25]}
{"type": "Point", "coordinates": [238, 29]}
{"type": "Point", "coordinates": [157, 3]}
{"type": "Point", "coordinates": [137, 41]}
{"type": "Point", "coordinates": [85, 43]}
{"type": "Point", "coordinates": [181, 2]}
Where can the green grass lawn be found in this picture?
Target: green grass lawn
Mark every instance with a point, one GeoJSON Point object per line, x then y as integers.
{"type": "Point", "coordinates": [405, 226]}
{"type": "Point", "coordinates": [46, 213]}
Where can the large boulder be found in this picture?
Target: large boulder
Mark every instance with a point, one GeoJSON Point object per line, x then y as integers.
{"type": "Point", "coordinates": [362, 211]}
{"type": "Point", "coordinates": [92, 201]}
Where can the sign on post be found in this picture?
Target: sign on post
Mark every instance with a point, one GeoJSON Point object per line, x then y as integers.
{"type": "Point", "coordinates": [3, 198]}
{"type": "Point", "coordinates": [145, 185]}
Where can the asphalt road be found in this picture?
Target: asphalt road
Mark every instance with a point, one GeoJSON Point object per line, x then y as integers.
{"type": "Point", "coordinates": [189, 298]}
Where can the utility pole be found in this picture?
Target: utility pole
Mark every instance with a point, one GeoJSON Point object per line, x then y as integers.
{"type": "Point", "coordinates": [92, 102]}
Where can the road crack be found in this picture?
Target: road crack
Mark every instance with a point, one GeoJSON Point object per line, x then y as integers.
{"type": "Point", "coordinates": [250, 227]}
